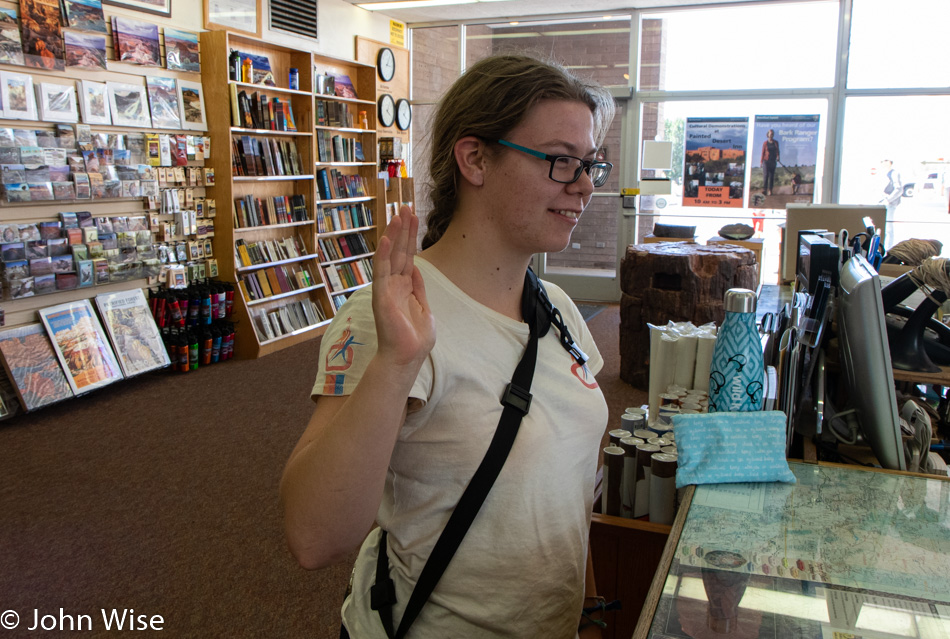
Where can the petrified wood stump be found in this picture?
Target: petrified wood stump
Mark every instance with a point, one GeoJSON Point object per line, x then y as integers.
{"type": "Point", "coordinates": [674, 281]}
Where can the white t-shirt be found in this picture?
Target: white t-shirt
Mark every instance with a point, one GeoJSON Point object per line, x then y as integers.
{"type": "Point", "coordinates": [519, 571]}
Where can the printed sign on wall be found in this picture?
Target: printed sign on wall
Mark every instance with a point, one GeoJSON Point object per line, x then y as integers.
{"type": "Point", "coordinates": [715, 161]}
{"type": "Point", "coordinates": [784, 159]}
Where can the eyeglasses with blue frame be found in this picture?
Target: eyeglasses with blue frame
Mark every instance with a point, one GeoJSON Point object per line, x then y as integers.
{"type": "Point", "coordinates": [566, 169]}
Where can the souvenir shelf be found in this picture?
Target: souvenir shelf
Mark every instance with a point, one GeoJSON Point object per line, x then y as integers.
{"type": "Point", "coordinates": [275, 173]}
{"type": "Point", "coordinates": [20, 305]}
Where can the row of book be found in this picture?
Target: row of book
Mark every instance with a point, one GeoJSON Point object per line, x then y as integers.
{"type": "Point", "coordinates": [334, 114]}
{"type": "Point", "coordinates": [282, 320]}
{"type": "Point", "coordinates": [280, 209]}
{"type": "Point", "coordinates": [343, 246]}
{"type": "Point", "coordinates": [334, 185]}
{"type": "Point", "coordinates": [349, 274]}
{"type": "Point", "coordinates": [257, 111]}
{"type": "Point", "coordinates": [254, 156]}
{"type": "Point", "coordinates": [264, 251]}
{"type": "Point", "coordinates": [336, 148]}
{"type": "Point", "coordinates": [343, 218]}
{"type": "Point", "coordinates": [274, 280]}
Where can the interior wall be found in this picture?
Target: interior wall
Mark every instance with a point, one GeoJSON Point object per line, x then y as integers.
{"type": "Point", "coordinates": [338, 22]}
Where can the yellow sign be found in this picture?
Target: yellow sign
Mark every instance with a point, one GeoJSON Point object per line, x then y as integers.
{"type": "Point", "coordinates": [397, 33]}
{"type": "Point", "coordinates": [629, 191]}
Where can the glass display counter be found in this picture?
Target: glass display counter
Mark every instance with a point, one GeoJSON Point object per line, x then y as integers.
{"type": "Point", "coordinates": [845, 553]}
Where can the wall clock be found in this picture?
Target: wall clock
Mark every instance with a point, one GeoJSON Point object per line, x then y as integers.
{"type": "Point", "coordinates": [403, 114]}
{"type": "Point", "coordinates": [386, 64]}
{"type": "Point", "coordinates": [387, 110]}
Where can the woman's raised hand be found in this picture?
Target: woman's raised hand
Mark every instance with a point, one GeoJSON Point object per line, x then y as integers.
{"type": "Point", "coordinates": [404, 324]}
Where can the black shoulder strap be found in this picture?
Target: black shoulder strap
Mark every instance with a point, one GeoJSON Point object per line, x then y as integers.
{"type": "Point", "coordinates": [539, 313]}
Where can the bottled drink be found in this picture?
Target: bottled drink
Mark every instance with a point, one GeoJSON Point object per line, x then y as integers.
{"type": "Point", "coordinates": [737, 372]}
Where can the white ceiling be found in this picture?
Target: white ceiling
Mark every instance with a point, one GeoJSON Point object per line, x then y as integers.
{"type": "Point", "coordinates": [507, 10]}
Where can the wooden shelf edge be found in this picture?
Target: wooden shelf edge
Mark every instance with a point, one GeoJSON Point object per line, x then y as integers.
{"type": "Point", "coordinates": [343, 260]}
{"type": "Point", "coordinates": [271, 298]}
{"type": "Point", "coordinates": [285, 225]}
{"type": "Point", "coordinates": [289, 260]}
{"type": "Point", "coordinates": [358, 229]}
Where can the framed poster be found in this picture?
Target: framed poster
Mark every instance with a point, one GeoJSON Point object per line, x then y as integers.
{"type": "Point", "coordinates": [159, 7]}
{"type": "Point", "coordinates": [18, 97]}
{"type": "Point", "coordinates": [129, 104]}
{"type": "Point", "coordinates": [234, 15]}
{"type": "Point", "coordinates": [192, 101]}
{"type": "Point", "coordinates": [94, 102]}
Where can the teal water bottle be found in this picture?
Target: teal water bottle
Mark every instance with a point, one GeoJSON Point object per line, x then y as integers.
{"type": "Point", "coordinates": [737, 372]}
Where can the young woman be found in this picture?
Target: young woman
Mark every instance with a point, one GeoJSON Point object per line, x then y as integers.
{"type": "Point", "coordinates": [413, 368]}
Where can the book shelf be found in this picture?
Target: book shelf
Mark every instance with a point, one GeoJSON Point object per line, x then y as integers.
{"type": "Point", "coordinates": [290, 189]}
{"type": "Point", "coordinates": [345, 131]}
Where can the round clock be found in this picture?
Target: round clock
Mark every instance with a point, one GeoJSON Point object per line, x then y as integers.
{"type": "Point", "coordinates": [386, 64]}
{"type": "Point", "coordinates": [403, 114]}
{"type": "Point", "coordinates": [387, 110]}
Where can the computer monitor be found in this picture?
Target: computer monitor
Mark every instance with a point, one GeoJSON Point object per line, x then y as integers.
{"type": "Point", "coordinates": [866, 361]}
{"type": "Point", "coordinates": [832, 217]}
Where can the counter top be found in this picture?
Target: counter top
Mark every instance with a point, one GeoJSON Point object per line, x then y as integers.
{"type": "Point", "coordinates": [843, 550]}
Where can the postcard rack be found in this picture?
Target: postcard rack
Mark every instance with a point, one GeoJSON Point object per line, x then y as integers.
{"type": "Point", "coordinates": [100, 103]}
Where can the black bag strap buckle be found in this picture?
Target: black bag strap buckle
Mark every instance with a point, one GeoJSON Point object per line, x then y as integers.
{"type": "Point", "coordinates": [517, 398]}
{"type": "Point", "coordinates": [382, 594]}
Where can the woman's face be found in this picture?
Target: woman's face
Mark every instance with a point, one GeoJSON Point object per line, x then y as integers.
{"type": "Point", "coordinates": [534, 212]}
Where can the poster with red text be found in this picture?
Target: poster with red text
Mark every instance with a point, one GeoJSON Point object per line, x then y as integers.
{"type": "Point", "coordinates": [715, 158]}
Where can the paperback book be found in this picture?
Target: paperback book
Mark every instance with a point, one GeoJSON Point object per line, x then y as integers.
{"type": "Point", "coordinates": [32, 365]}
{"type": "Point", "coordinates": [42, 34]}
{"type": "Point", "coordinates": [132, 330]}
{"type": "Point", "coordinates": [85, 15]}
{"type": "Point", "coordinates": [81, 345]}
{"type": "Point", "coordinates": [136, 41]}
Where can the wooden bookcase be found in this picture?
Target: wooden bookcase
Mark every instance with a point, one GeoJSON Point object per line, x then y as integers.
{"type": "Point", "coordinates": [346, 242]}
{"type": "Point", "coordinates": [313, 144]}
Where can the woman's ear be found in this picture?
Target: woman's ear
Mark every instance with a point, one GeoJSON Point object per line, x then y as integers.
{"type": "Point", "coordinates": [471, 160]}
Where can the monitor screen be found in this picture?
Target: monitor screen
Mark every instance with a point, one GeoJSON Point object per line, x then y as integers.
{"type": "Point", "coordinates": [866, 361]}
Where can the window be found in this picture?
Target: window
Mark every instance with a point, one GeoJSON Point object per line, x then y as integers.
{"type": "Point", "coordinates": [594, 48]}
{"type": "Point", "coordinates": [918, 146]}
{"type": "Point", "coordinates": [899, 45]}
{"type": "Point", "coordinates": [774, 46]}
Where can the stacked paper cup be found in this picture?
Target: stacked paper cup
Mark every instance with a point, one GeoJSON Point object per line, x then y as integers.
{"type": "Point", "coordinates": [680, 358]}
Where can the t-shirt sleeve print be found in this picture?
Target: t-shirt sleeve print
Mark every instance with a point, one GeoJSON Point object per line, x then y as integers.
{"type": "Point", "coordinates": [340, 357]}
